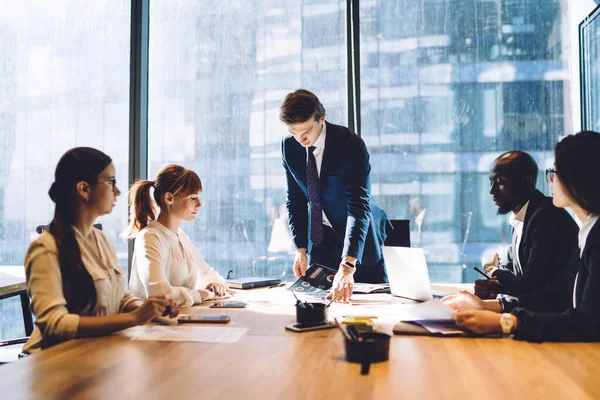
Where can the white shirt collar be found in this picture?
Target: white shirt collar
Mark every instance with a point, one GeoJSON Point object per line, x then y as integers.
{"type": "Point", "coordinates": [519, 218]}
{"type": "Point", "coordinates": [320, 143]}
{"type": "Point", "coordinates": [585, 229]}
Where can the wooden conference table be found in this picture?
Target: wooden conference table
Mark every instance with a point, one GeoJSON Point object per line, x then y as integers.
{"type": "Point", "coordinates": [271, 363]}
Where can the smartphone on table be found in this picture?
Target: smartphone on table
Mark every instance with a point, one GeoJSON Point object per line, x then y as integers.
{"type": "Point", "coordinates": [310, 327]}
{"type": "Point", "coordinates": [204, 319]}
{"type": "Point", "coordinates": [229, 304]}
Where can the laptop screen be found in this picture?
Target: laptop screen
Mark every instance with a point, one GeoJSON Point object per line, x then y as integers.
{"type": "Point", "coordinates": [407, 272]}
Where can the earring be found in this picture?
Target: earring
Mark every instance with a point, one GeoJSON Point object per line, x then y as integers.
{"type": "Point", "coordinates": [87, 199]}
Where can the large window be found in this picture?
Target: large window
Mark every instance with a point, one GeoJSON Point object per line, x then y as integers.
{"type": "Point", "coordinates": [218, 73]}
{"type": "Point", "coordinates": [64, 82]}
{"type": "Point", "coordinates": [446, 87]}
{"type": "Point", "coordinates": [589, 52]}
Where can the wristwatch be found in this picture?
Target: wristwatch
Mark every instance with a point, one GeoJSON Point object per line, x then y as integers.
{"type": "Point", "coordinates": [349, 264]}
{"type": "Point", "coordinates": [506, 323]}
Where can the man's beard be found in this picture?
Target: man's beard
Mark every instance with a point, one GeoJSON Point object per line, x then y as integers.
{"type": "Point", "coordinates": [503, 210]}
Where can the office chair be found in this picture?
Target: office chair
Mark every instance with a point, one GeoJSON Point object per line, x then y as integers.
{"type": "Point", "coordinates": [399, 236]}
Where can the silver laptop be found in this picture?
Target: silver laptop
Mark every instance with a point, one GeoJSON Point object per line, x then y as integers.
{"type": "Point", "coordinates": [407, 272]}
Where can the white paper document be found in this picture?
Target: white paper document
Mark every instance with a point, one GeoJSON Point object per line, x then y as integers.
{"type": "Point", "coordinates": [370, 287]}
{"type": "Point", "coordinates": [370, 298]}
{"type": "Point", "coordinates": [441, 327]}
{"type": "Point", "coordinates": [432, 310]}
{"type": "Point", "coordinates": [208, 334]}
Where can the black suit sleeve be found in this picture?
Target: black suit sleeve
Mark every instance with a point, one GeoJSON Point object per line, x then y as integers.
{"type": "Point", "coordinates": [297, 206]}
{"type": "Point", "coordinates": [581, 324]}
{"type": "Point", "coordinates": [548, 254]}
{"type": "Point", "coordinates": [556, 297]}
{"type": "Point", "coordinates": [356, 188]}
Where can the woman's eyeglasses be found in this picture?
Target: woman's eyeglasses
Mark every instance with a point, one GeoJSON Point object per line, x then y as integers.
{"type": "Point", "coordinates": [550, 173]}
{"type": "Point", "coordinates": [113, 183]}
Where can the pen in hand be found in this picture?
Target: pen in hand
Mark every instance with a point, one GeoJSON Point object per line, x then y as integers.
{"type": "Point", "coordinates": [483, 273]}
{"type": "Point", "coordinates": [333, 299]}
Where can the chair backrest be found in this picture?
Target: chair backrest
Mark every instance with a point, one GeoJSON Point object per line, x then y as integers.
{"type": "Point", "coordinates": [400, 235]}
{"type": "Point", "coordinates": [41, 228]}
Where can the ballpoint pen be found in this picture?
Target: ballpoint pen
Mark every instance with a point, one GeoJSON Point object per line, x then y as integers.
{"type": "Point", "coordinates": [298, 302]}
{"type": "Point", "coordinates": [483, 273]}
{"type": "Point", "coordinates": [333, 299]}
{"type": "Point", "coordinates": [10, 342]}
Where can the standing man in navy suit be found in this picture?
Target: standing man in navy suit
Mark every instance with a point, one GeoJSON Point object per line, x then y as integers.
{"type": "Point", "coordinates": [331, 214]}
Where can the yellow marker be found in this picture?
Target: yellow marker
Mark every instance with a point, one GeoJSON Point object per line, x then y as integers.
{"type": "Point", "coordinates": [359, 320]}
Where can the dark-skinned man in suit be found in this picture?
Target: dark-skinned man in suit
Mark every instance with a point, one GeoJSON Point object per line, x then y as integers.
{"type": "Point", "coordinates": [544, 238]}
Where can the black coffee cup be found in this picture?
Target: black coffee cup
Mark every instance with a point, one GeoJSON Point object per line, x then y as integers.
{"type": "Point", "coordinates": [373, 347]}
{"type": "Point", "coordinates": [311, 313]}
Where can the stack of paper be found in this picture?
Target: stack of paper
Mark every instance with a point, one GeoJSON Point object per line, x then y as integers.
{"type": "Point", "coordinates": [433, 317]}
{"type": "Point", "coordinates": [432, 310]}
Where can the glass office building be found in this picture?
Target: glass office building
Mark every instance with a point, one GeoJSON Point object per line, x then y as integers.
{"type": "Point", "coordinates": [445, 87]}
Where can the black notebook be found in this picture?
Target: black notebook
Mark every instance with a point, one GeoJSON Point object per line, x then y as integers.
{"type": "Point", "coordinates": [318, 278]}
{"type": "Point", "coordinates": [252, 282]}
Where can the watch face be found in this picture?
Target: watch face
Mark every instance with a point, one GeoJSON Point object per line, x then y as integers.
{"type": "Point", "coordinates": [506, 323]}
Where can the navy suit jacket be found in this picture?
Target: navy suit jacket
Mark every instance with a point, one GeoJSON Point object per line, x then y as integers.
{"type": "Point", "coordinates": [344, 192]}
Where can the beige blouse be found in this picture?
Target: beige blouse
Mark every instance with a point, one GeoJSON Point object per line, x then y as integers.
{"type": "Point", "coordinates": [53, 323]}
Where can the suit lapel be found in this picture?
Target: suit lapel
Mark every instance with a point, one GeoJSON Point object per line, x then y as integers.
{"type": "Point", "coordinates": [536, 200]}
{"type": "Point", "coordinates": [302, 167]}
{"type": "Point", "coordinates": [297, 163]}
{"type": "Point", "coordinates": [326, 155]}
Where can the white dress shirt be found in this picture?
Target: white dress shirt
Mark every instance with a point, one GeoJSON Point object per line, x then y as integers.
{"type": "Point", "coordinates": [584, 232]}
{"type": "Point", "coordinates": [165, 263]}
{"type": "Point", "coordinates": [517, 221]}
{"type": "Point", "coordinates": [318, 153]}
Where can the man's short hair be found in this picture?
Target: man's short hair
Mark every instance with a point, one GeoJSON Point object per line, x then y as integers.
{"type": "Point", "coordinates": [299, 106]}
{"type": "Point", "coordinates": [518, 164]}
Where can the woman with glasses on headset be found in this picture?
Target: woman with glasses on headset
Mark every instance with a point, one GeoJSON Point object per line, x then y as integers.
{"type": "Point", "coordinates": [574, 185]}
{"type": "Point", "coordinates": [76, 285]}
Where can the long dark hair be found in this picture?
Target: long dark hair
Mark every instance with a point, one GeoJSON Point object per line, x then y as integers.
{"type": "Point", "coordinates": [173, 179]}
{"type": "Point", "coordinates": [76, 165]}
{"type": "Point", "coordinates": [577, 160]}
